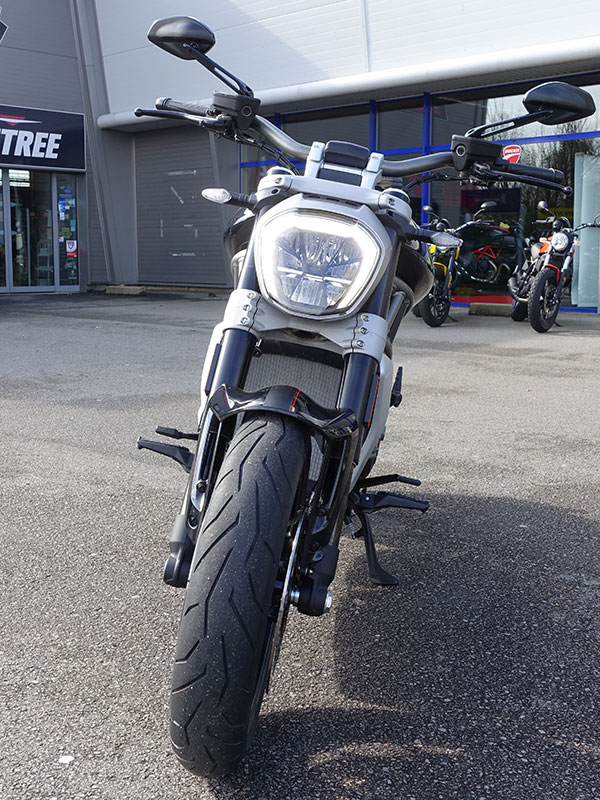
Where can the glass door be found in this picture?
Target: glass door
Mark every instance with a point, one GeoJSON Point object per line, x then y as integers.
{"type": "Point", "coordinates": [32, 230]}
{"type": "Point", "coordinates": [39, 229]}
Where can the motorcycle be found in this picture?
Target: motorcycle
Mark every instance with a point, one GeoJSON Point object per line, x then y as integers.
{"type": "Point", "coordinates": [537, 286]}
{"type": "Point", "coordinates": [435, 307]}
{"type": "Point", "coordinates": [296, 390]}
{"type": "Point", "coordinates": [487, 247]}
{"type": "Point", "coordinates": [448, 266]}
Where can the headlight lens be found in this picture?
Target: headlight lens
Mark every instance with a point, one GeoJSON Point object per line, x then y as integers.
{"type": "Point", "coordinates": [315, 264]}
{"type": "Point", "coordinates": [560, 241]}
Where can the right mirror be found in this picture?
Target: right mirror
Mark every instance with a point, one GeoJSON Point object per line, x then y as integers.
{"type": "Point", "coordinates": [543, 206]}
{"type": "Point", "coordinates": [488, 205]}
{"type": "Point", "coordinates": [428, 210]}
{"type": "Point", "coordinates": [567, 103]}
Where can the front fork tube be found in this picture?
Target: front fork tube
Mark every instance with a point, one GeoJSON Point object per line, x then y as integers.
{"type": "Point", "coordinates": [330, 495]}
{"type": "Point", "coordinates": [448, 277]}
{"type": "Point", "coordinates": [231, 362]}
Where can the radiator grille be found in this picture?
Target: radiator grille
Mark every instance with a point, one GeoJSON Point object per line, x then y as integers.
{"type": "Point", "coordinates": [320, 382]}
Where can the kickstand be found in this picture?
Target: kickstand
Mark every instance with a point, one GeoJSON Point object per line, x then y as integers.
{"type": "Point", "coordinates": [376, 572]}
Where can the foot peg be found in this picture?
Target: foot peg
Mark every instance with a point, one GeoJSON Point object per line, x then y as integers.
{"type": "Point", "coordinates": [173, 433]}
{"type": "Point", "coordinates": [365, 502]}
{"type": "Point", "coordinates": [375, 501]}
{"type": "Point", "coordinates": [380, 480]}
{"type": "Point", "coordinates": [180, 454]}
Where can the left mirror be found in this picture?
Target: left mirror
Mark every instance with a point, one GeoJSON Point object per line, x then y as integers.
{"type": "Point", "coordinates": [172, 33]}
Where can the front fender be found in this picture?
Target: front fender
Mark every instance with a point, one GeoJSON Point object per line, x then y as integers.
{"type": "Point", "coordinates": [228, 401]}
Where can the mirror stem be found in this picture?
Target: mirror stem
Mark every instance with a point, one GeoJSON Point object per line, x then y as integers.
{"type": "Point", "coordinates": [238, 86]}
{"type": "Point", "coordinates": [483, 131]}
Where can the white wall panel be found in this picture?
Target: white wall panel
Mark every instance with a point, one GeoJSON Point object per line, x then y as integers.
{"type": "Point", "coordinates": [435, 30]}
{"type": "Point", "coordinates": [303, 41]}
{"type": "Point", "coordinates": [295, 41]}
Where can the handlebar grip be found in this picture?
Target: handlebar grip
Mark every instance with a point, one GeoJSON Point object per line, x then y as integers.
{"type": "Point", "coordinates": [185, 106]}
{"type": "Point", "coordinates": [554, 175]}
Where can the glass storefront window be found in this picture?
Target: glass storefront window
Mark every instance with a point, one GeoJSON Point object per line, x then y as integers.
{"type": "Point", "coordinates": [399, 126]}
{"type": "Point", "coordinates": [455, 115]}
{"type": "Point", "coordinates": [346, 125]}
{"type": "Point", "coordinates": [68, 253]}
{"type": "Point", "coordinates": [31, 228]}
{"type": "Point", "coordinates": [39, 248]}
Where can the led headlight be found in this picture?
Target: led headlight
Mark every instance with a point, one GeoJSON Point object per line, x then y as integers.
{"type": "Point", "coordinates": [314, 263]}
{"type": "Point", "coordinates": [559, 241]}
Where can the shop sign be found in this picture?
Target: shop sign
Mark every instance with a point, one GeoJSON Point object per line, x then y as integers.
{"type": "Point", "coordinates": [34, 138]}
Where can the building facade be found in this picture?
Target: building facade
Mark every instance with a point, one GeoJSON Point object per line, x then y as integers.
{"type": "Point", "coordinates": [399, 81]}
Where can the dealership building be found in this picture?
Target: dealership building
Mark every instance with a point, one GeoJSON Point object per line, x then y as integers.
{"type": "Point", "coordinates": [93, 195]}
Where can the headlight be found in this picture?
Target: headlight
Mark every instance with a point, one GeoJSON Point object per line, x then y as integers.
{"type": "Point", "coordinates": [559, 241]}
{"type": "Point", "coordinates": [315, 264]}
{"type": "Point", "coordinates": [439, 249]}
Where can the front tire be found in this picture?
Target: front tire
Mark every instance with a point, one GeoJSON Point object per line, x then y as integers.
{"type": "Point", "coordinates": [227, 625]}
{"type": "Point", "coordinates": [518, 311]}
{"type": "Point", "coordinates": [434, 309]}
{"type": "Point", "coordinates": [542, 305]}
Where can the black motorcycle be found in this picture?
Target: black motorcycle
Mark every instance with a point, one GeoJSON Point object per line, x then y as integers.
{"type": "Point", "coordinates": [538, 285]}
{"type": "Point", "coordinates": [296, 390]}
{"type": "Point", "coordinates": [489, 248]}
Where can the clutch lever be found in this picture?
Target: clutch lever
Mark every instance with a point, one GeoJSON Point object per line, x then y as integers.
{"type": "Point", "coordinates": [220, 123]}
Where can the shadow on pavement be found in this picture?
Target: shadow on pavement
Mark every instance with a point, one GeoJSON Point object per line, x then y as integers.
{"type": "Point", "coordinates": [476, 677]}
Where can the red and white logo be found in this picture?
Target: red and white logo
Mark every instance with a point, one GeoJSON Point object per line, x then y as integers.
{"type": "Point", "coordinates": [71, 248]}
{"type": "Point", "coordinates": [18, 120]}
{"type": "Point", "coordinates": [512, 153]}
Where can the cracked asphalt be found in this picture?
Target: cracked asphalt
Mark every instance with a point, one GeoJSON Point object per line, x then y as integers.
{"type": "Point", "coordinates": [477, 677]}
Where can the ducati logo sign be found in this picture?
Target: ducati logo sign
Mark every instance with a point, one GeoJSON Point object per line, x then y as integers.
{"type": "Point", "coordinates": [512, 153]}
{"type": "Point", "coordinates": [31, 137]}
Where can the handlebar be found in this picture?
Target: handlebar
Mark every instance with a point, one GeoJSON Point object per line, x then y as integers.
{"type": "Point", "coordinates": [298, 150]}
{"type": "Point", "coordinates": [210, 117]}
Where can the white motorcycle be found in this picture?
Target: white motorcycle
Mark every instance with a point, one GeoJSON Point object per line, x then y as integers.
{"type": "Point", "coordinates": [297, 386]}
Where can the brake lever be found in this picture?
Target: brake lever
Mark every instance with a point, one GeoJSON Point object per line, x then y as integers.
{"type": "Point", "coordinates": [482, 172]}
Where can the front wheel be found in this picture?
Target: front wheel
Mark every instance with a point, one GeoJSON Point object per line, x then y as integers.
{"type": "Point", "coordinates": [435, 309]}
{"type": "Point", "coordinates": [543, 302]}
{"type": "Point", "coordinates": [518, 311]}
{"type": "Point", "coordinates": [231, 604]}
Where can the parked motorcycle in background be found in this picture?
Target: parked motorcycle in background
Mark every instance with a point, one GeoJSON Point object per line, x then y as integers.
{"type": "Point", "coordinates": [297, 385]}
{"type": "Point", "coordinates": [537, 286]}
{"type": "Point", "coordinates": [435, 307]}
{"type": "Point", "coordinates": [482, 264]}
{"type": "Point", "coordinates": [490, 248]}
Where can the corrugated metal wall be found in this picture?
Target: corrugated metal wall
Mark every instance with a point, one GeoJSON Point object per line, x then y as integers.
{"type": "Point", "coordinates": [179, 233]}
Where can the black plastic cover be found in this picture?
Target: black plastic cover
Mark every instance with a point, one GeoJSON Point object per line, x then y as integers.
{"type": "Point", "coordinates": [467, 151]}
{"type": "Point", "coordinates": [346, 154]}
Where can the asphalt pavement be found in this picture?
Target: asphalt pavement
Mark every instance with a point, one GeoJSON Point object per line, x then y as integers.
{"type": "Point", "coordinates": [477, 677]}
